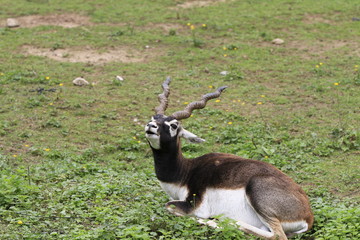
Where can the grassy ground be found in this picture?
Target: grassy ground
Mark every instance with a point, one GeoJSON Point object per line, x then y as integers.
{"type": "Point", "coordinates": [74, 163]}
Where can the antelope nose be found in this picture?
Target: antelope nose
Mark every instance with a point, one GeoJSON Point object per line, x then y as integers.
{"type": "Point", "coordinates": [152, 125]}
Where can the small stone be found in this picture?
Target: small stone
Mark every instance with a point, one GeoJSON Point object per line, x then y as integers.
{"type": "Point", "coordinates": [224, 73]}
{"type": "Point", "coordinates": [135, 119]}
{"type": "Point", "coordinates": [277, 41]}
{"type": "Point", "coordinates": [147, 46]}
{"type": "Point", "coordinates": [12, 23]}
{"type": "Point", "coordinates": [119, 78]}
{"type": "Point", "coordinates": [80, 82]}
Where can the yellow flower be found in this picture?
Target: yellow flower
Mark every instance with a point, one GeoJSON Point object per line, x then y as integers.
{"type": "Point", "coordinates": [186, 102]}
{"type": "Point", "coordinates": [191, 115]}
{"type": "Point", "coordinates": [217, 100]}
{"type": "Point", "coordinates": [317, 66]}
{"type": "Point", "coordinates": [134, 137]}
{"type": "Point", "coordinates": [192, 27]}
{"type": "Point", "coordinates": [262, 96]}
{"type": "Point", "coordinates": [51, 104]}
{"type": "Point", "coordinates": [188, 24]}
{"type": "Point", "coordinates": [47, 149]}
{"type": "Point", "coordinates": [61, 84]}
{"type": "Point", "coordinates": [225, 55]}
{"type": "Point", "coordinates": [27, 145]}
{"type": "Point", "coordinates": [225, 48]}
{"type": "Point", "coordinates": [204, 25]}
{"type": "Point", "coordinates": [19, 222]}
{"type": "Point", "coordinates": [1, 74]}
{"type": "Point", "coordinates": [266, 157]}
{"type": "Point", "coordinates": [259, 103]}
{"type": "Point", "coordinates": [14, 155]}
{"type": "Point", "coordinates": [355, 66]}
{"type": "Point", "coordinates": [230, 123]}
{"type": "Point", "coordinates": [239, 100]}
{"type": "Point", "coordinates": [243, 103]}
{"type": "Point", "coordinates": [138, 141]}
{"type": "Point", "coordinates": [320, 63]}
{"type": "Point", "coordinates": [235, 48]}
{"type": "Point", "coordinates": [47, 78]}
{"type": "Point", "coordinates": [336, 84]}
{"type": "Point", "coordinates": [210, 86]}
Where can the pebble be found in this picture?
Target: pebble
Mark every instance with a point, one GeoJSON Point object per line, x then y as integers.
{"type": "Point", "coordinates": [278, 41]}
{"type": "Point", "coordinates": [119, 78]}
{"type": "Point", "coordinates": [80, 82]}
{"type": "Point", "coordinates": [12, 23]}
{"type": "Point", "coordinates": [224, 73]}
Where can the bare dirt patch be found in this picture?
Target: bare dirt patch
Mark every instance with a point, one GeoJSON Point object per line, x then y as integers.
{"type": "Point", "coordinates": [68, 20]}
{"type": "Point", "coordinates": [312, 19]}
{"type": "Point", "coordinates": [89, 55]}
{"type": "Point", "coordinates": [322, 47]}
{"type": "Point", "coordinates": [307, 49]}
{"type": "Point", "coordinates": [165, 27]}
{"type": "Point", "coordinates": [203, 3]}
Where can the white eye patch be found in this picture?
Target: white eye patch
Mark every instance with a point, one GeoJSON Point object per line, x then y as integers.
{"type": "Point", "coordinates": [173, 127]}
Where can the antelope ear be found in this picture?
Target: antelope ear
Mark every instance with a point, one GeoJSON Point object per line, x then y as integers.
{"type": "Point", "coordinates": [190, 136]}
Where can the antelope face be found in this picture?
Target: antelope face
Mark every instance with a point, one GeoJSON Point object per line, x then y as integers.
{"type": "Point", "coordinates": [163, 130]}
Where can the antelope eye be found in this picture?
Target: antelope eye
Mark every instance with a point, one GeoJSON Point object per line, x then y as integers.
{"type": "Point", "coordinates": [173, 126]}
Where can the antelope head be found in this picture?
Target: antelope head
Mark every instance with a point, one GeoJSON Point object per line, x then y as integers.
{"type": "Point", "coordinates": [163, 131]}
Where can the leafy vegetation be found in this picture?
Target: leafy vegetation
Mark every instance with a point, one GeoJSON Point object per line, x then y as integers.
{"type": "Point", "coordinates": [74, 163]}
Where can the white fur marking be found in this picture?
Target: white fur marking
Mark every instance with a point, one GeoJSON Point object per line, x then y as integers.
{"type": "Point", "coordinates": [231, 204]}
{"type": "Point", "coordinates": [175, 191]}
{"type": "Point", "coordinates": [295, 227]}
{"type": "Point", "coordinates": [172, 131]}
{"type": "Point", "coordinates": [154, 141]}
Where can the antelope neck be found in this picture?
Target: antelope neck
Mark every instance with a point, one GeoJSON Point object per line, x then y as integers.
{"type": "Point", "coordinates": [168, 165]}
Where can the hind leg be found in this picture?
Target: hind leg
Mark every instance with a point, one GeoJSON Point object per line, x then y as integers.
{"type": "Point", "coordinates": [276, 227]}
{"type": "Point", "coordinates": [276, 232]}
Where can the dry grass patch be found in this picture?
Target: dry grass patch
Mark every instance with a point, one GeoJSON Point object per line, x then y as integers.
{"type": "Point", "coordinates": [66, 20]}
{"type": "Point", "coordinates": [165, 27]}
{"type": "Point", "coordinates": [309, 49]}
{"type": "Point", "coordinates": [316, 18]}
{"type": "Point", "coordinates": [93, 56]}
{"type": "Point", "coordinates": [192, 4]}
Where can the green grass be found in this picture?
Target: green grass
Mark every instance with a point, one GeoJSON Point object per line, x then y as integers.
{"type": "Point", "coordinates": [74, 163]}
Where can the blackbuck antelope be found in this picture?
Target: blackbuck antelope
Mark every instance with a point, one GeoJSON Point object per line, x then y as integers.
{"type": "Point", "coordinates": [262, 199]}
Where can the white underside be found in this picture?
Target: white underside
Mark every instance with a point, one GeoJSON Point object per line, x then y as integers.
{"type": "Point", "coordinates": [232, 204]}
